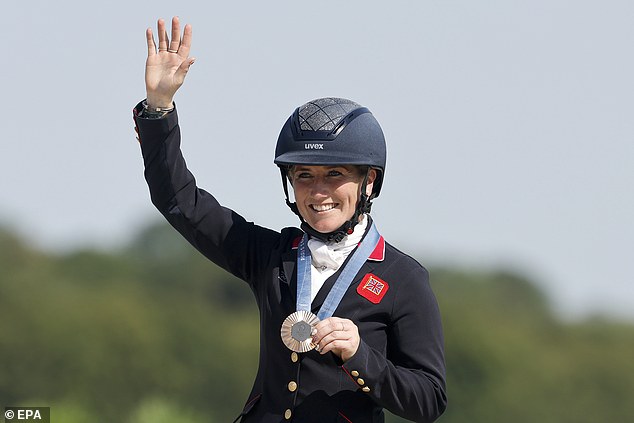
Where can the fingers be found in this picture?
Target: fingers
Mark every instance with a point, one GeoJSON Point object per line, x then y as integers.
{"type": "Point", "coordinates": [151, 47]}
{"type": "Point", "coordinates": [176, 45]}
{"type": "Point", "coordinates": [176, 35]}
{"type": "Point", "coordinates": [334, 343]}
{"type": "Point", "coordinates": [162, 35]}
{"type": "Point", "coordinates": [341, 336]}
{"type": "Point", "coordinates": [183, 69]}
{"type": "Point", "coordinates": [329, 326]}
{"type": "Point", "coordinates": [186, 42]}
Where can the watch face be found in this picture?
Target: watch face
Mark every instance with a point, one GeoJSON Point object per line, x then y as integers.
{"type": "Point", "coordinates": [296, 331]}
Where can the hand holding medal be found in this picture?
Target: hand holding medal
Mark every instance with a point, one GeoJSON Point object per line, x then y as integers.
{"type": "Point", "coordinates": [302, 331]}
{"type": "Point", "coordinates": [341, 336]}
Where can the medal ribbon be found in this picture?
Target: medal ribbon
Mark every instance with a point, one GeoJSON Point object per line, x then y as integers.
{"type": "Point", "coordinates": [350, 270]}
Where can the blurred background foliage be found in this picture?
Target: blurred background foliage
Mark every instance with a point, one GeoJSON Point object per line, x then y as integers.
{"type": "Point", "coordinates": [154, 333]}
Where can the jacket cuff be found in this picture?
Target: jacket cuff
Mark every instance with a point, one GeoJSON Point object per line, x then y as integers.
{"type": "Point", "coordinates": [148, 129]}
{"type": "Point", "coordinates": [358, 369]}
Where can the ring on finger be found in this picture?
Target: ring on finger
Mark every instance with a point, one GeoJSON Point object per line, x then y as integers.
{"type": "Point", "coordinates": [172, 51]}
{"type": "Point", "coordinates": [162, 49]}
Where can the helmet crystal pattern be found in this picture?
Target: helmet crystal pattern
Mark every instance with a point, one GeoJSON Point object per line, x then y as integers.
{"type": "Point", "coordinates": [324, 114]}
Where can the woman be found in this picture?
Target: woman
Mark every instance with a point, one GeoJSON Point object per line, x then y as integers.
{"type": "Point", "coordinates": [349, 324]}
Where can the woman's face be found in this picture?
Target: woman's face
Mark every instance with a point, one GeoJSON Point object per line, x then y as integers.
{"type": "Point", "coordinates": [326, 196]}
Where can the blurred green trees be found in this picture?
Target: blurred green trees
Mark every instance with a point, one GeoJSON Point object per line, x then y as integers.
{"type": "Point", "coordinates": [156, 333]}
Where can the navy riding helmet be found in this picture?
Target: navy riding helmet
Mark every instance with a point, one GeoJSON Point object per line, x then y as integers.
{"type": "Point", "coordinates": [332, 131]}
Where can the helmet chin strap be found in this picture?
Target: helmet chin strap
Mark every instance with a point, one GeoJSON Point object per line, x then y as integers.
{"type": "Point", "coordinates": [364, 205]}
{"type": "Point", "coordinates": [292, 206]}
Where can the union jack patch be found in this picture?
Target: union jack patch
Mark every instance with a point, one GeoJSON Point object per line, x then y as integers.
{"type": "Point", "coordinates": [372, 288]}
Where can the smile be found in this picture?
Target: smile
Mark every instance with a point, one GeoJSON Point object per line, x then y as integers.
{"type": "Point", "coordinates": [322, 207]}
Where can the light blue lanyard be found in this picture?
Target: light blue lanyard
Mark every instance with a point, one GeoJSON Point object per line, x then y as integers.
{"type": "Point", "coordinates": [359, 256]}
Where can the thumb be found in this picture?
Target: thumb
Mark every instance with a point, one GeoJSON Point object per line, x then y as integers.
{"type": "Point", "coordinates": [182, 70]}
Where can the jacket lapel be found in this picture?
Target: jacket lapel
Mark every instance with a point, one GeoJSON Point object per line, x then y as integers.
{"type": "Point", "coordinates": [287, 281]}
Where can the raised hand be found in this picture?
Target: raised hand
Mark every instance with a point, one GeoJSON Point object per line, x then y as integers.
{"type": "Point", "coordinates": [165, 69]}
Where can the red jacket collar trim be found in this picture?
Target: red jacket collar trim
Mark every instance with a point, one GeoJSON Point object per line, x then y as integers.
{"type": "Point", "coordinates": [379, 251]}
{"type": "Point", "coordinates": [377, 255]}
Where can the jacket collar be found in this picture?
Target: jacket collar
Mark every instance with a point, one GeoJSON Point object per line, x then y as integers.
{"type": "Point", "coordinates": [377, 255]}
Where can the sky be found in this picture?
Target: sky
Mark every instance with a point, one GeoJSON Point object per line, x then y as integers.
{"type": "Point", "coordinates": [508, 123]}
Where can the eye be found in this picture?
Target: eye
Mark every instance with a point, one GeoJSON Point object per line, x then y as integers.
{"type": "Point", "coordinates": [302, 175]}
{"type": "Point", "coordinates": [334, 173]}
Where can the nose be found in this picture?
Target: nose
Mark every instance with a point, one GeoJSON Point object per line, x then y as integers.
{"type": "Point", "coordinates": [319, 187]}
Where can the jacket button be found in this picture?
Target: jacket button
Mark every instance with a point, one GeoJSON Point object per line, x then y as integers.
{"type": "Point", "coordinates": [354, 373]}
{"type": "Point", "coordinates": [292, 386]}
{"type": "Point", "coordinates": [294, 357]}
{"type": "Point", "coordinates": [288, 413]}
{"type": "Point", "coordinates": [365, 389]}
{"type": "Point", "coordinates": [361, 381]}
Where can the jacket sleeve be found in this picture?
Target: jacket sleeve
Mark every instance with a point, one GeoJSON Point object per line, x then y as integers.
{"type": "Point", "coordinates": [409, 380]}
{"type": "Point", "coordinates": [219, 233]}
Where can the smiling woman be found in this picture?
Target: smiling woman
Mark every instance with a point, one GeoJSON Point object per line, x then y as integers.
{"type": "Point", "coordinates": [349, 324]}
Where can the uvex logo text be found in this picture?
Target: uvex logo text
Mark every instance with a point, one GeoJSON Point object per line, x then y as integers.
{"type": "Point", "coordinates": [313, 146]}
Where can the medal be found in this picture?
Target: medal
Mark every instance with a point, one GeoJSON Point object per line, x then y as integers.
{"type": "Point", "coordinates": [296, 331]}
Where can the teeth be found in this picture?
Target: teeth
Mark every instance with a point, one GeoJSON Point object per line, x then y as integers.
{"type": "Point", "coordinates": [323, 207]}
